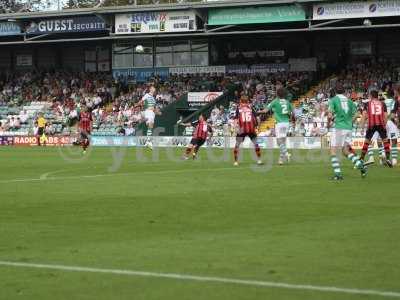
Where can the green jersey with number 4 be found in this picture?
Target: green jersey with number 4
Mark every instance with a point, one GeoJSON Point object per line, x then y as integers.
{"type": "Point", "coordinates": [282, 110]}
{"type": "Point", "coordinates": [344, 111]}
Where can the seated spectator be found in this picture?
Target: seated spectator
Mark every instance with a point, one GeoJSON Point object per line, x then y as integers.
{"type": "Point", "coordinates": [300, 129]}
{"type": "Point", "coordinates": [314, 132]}
{"type": "Point", "coordinates": [12, 124]}
{"type": "Point", "coordinates": [50, 129]}
{"type": "Point", "coordinates": [17, 123]}
{"type": "Point", "coordinates": [130, 131]}
{"type": "Point", "coordinates": [23, 116]}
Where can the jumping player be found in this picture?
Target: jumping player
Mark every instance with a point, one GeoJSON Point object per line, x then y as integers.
{"type": "Point", "coordinates": [200, 135]}
{"type": "Point", "coordinates": [247, 121]}
{"type": "Point", "coordinates": [376, 113]}
{"type": "Point", "coordinates": [283, 112]}
{"type": "Point", "coordinates": [341, 115]}
{"type": "Point", "coordinates": [149, 104]}
{"type": "Point", "coordinates": [85, 128]}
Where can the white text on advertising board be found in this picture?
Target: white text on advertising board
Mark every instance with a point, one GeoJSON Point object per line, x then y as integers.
{"type": "Point", "coordinates": [155, 22]}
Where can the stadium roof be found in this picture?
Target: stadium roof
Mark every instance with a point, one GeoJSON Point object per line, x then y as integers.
{"type": "Point", "coordinates": [133, 8]}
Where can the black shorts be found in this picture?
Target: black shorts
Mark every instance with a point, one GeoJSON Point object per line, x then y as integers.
{"type": "Point", "coordinates": [377, 128]}
{"type": "Point", "coordinates": [241, 136]}
{"type": "Point", "coordinates": [85, 135]}
{"type": "Point", "coordinates": [197, 142]}
{"type": "Point", "coordinates": [40, 131]}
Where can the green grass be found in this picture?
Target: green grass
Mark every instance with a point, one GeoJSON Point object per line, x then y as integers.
{"type": "Point", "coordinates": [290, 224]}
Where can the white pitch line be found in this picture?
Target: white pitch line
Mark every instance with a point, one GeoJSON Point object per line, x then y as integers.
{"type": "Point", "coordinates": [281, 285]}
{"type": "Point", "coordinates": [44, 178]}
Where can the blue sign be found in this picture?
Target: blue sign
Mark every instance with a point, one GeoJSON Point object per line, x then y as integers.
{"type": "Point", "coordinates": [141, 74]}
{"type": "Point", "coordinates": [9, 28]}
{"type": "Point", "coordinates": [73, 24]}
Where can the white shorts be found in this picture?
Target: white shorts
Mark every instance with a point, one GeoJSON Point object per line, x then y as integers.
{"type": "Point", "coordinates": [341, 137]}
{"type": "Point", "coordinates": [149, 116]}
{"type": "Point", "coordinates": [281, 130]}
{"type": "Point", "coordinates": [392, 130]}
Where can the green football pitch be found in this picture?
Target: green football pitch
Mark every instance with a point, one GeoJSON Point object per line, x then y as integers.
{"type": "Point", "coordinates": [134, 224]}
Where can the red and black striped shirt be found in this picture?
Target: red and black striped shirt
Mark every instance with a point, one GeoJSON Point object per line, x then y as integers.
{"type": "Point", "coordinates": [201, 131]}
{"type": "Point", "coordinates": [85, 121]}
{"type": "Point", "coordinates": [247, 119]}
{"type": "Point", "coordinates": [376, 113]}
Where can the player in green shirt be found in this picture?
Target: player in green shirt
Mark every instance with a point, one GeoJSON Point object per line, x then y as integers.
{"type": "Point", "coordinates": [283, 112]}
{"type": "Point", "coordinates": [342, 112]}
{"type": "Point", "coordinates": [149, 102]}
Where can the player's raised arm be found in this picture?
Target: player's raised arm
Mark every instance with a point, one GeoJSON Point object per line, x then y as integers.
{"type": "Point", "coordinates": [385, 112]}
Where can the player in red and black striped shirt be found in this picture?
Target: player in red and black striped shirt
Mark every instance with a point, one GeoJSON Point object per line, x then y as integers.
{"type": "Point", "coordinates": [376, 113]}
{"type": "Point", "coordinates": [247, 123]}
{"type": "Point", "coordinates": [85, 127]}
{"type": "Point", "coordinates": [200, 135]}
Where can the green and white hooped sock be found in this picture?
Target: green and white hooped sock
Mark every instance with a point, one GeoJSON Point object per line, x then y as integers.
{"type": "Point", "coordinates": [354, 159]}
{"type": "Point", "coordinates": [283, 150]}
{"type": "Point", "coordinates": [394, 151]}
{"type": "Point", "coordinates": [381, 152]}
{"type": "Point", "coordinates": [370, 151]}
{"type": "Point", "coordinates": [336, 165]}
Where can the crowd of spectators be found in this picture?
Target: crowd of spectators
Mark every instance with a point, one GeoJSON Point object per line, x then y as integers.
{"type": "Point", "coordinates": [261, 90]}
{"type": "Point", "coordinates": [114, 102]}
{"type": "Point", "coordinates": [311, 109]}
{"type": "Point", "coordinates": [358, 80]}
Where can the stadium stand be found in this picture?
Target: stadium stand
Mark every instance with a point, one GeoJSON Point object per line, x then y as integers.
{"type": "Point", "coordinates": [60, 95]}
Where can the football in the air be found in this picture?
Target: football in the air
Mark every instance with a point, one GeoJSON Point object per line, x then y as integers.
{"type": "Point", "coordinates": [139, 49]}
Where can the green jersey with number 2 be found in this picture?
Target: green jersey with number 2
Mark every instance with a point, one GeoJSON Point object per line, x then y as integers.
{"type": "Point", "coordinates": [344, 111]}
{"type": "Point", "coordinates": [282, 110]}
